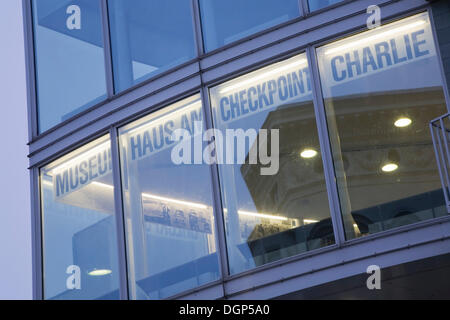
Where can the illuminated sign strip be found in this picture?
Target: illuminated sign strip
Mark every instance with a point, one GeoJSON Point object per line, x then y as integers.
{"type": "Point", "coordinates": [153, 122]}
{"type": "Point", "coordinates": [268, 74]}
{"type": "Point", "coordinates": [380, 35]}
{"type": "Point", "coordinates": [81, 170]}
{"type": "Point", "coordinates": [156, 135]}
{"type": "Point", "coordinates": [271, 87]}
{"type": "Point", "coordinates": [375, 51]}
{"type": "Point", "coordinates": [85, 155]}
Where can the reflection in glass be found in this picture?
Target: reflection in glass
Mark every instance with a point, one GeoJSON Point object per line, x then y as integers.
{"type": "Point", "coordinates": [319, 4]}
{"type": "Point", "coordinates": [79, 231]}
{"type": "Point", "coordinates": [149, 37]}
{"type": "Point", "coordinates": [168, 207]}
{"type": "Point", "coordinates": [69, 55]}
{"type": "Point", "coordinates": [270, 217]}
{"type": "Point", "coordinates": [381, 89]}
{"type": "Point", "coordinates": [224, 22]}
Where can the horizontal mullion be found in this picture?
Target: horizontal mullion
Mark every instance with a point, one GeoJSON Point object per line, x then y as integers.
{"type": "Point", "coordinates": [127, 113]}
{"type": "Point", "coordinates": [155, 87]}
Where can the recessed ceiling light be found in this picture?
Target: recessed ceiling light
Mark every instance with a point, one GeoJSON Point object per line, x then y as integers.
{"type": "Point", "coordinates": [403, 122]}
{"type": "Point", "coordinates": [390, 167]}
{"type": "Point", "coordinates": [99, 272]}
{"type": "Point", "coordinates": [308, 153]}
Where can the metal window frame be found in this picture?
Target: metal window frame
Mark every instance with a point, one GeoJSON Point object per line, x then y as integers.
{"type": "Point", "coordinates": [119, 215]}
{"type": "Point", "coordinates": [264, 42]}
{"type": "Point", "coordinates": [107, 51]}
{"type": "Point", "coordinates": [36, 236]}
{"type": "Point", "coordinates": [440, 61]}
{"type": "Point", "coordinates": [214, 171]}
{"type": "Point", "coordinates": [209, 69]}
{"type": "Point", "coordinates": [27, 14]}
{"type": "Point", "coordinates": [325, 146]}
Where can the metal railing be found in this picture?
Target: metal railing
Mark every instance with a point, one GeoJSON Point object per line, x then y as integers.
{"type": "Point", "coordinates": [440, 133]}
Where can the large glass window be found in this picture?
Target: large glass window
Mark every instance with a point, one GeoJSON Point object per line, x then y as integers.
{"type": "Point", "coordinates": [79, 229]}
{"type": "Point", "coordinates": [319, 4]}
{"type": "Point", "coordinates": [149, 37]}
{"type": "Point", "coordinates": [69, 55]}
{"type": "Point", "coordinates": [224, 22]}
{"type": "Point", "coordinates": [381, 89]}
{"type": "Point", "coordinates": [273, 189]}
{"type": "Point", "coordinates": [168, 204]}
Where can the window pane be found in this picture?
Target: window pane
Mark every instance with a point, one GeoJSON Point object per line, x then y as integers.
{"type": "Point", "coordinates": [227, 21]}
{"type": "Point", "coordinates": [79, 230]}
{"type": "Point", "coordinates": [381, 89]}
{"type": "Point", "coordinates": [271, 215]}
{"type": "Point", "coordinates": [319, 4]}
{"type": "Point", "coordinates": [70, 66]}
{"type": "Point", "coordinates": [168, 207]}
{"type": "Point", "coordinates": [149, 37]}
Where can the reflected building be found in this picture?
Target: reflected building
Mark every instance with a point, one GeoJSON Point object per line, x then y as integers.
{"type": "Point", "coordinates": [297, 192]}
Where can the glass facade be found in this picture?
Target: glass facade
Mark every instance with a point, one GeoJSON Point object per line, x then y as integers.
{"type": "Point", "coordinates": [224, 22]}
{"type": "Point", "coordinates": [319, 4]}
{"type": "Point", "coordinates": [381, 89]}
{"type": "Point", "coordinates": [269, 173]}
{"type": "Point", "coordinates": [284, 211]}
{"type": "Point", "coordinates": [145, 40]}
{"type": "Point", "coordinates": [168, 206]}
{"type": "Point", "coordinates": [69, 58]}
{"type": "Point", "coordinates": [80, 251]}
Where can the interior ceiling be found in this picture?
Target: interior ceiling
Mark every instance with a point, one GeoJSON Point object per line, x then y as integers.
{"type": "Point", "coordinates": [367, 137]}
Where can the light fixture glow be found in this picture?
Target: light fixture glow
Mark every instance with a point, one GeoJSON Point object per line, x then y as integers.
{"type": "Point", "coordinates": [103, 185]}
{"type": "Point", "coordinates": [85, 155]}
{"type": "Point", "coordinates": [382, 35]}
{"type": "Point", "coordinates": [308, 153]}
{"type": "Point", "coordinates": [152, 122]}
{"type": "Point", "coordinates": [403, 122]}
{"type": "Point", "coordinates": [186, 203]}
{"type": "Point", "coordinates": [390, 167]}
{"type": "Point", "coordinates": [261, 215]}
{"type": "Point", "coordinates": [47, 183]}
{"type": "Point", "coordinates": [263, 76]}
{"type": "Point", "coordinates": [99, 272]}
{"type": "Point", "coordinates": [309, 221]}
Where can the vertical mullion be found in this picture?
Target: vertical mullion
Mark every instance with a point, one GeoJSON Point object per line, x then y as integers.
{"type": "Point", "coordinates": [119, 215]}
{"type": "Point", "coordinates": [30, 69]}
{"type": "Point", "coordinates": [303, 6]}
{"type": "Point", "coordinates": [197, 27]}
{"type": "Point", "coordinates": [109, 76]}
{"type": "Point", "coordinates": [325, 146]}
{"type": "Point", "coordinates": [217, 199]}
{"type": "Point", "coordinates": [36, 236]}
{"type": "Point", "coordinates": [36, 230]}
{"type": "Point", "coordinates": [445, 84]}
